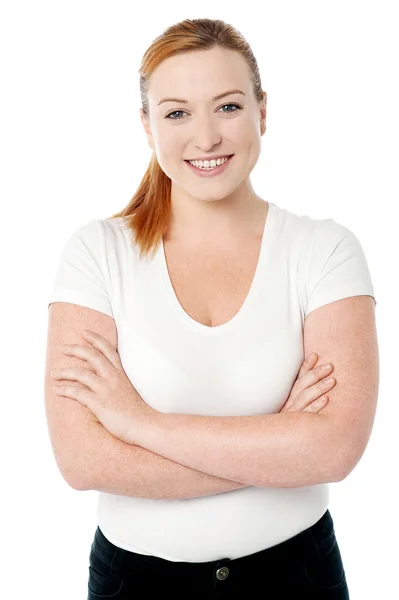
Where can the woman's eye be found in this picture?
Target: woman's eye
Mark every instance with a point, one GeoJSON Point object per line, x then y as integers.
{"type": "Point", "coordinates": [173, 113]}
{"type": "Point", "coordinates": [237, 106]}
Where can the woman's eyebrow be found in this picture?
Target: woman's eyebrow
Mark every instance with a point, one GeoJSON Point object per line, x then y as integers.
{"type": "Point", "coordinates": [181, 100]}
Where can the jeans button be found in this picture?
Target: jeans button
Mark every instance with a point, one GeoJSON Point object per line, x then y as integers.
{"type": "Point", "coordinates": [222, 573]}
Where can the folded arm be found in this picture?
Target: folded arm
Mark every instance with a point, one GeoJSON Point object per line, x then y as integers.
{"type": "Point", "coordinates": [272, 450]}
{"type": "Point", "coordinates": [291, 449]}
{"type": "Point", "coordinates": [109, 465]}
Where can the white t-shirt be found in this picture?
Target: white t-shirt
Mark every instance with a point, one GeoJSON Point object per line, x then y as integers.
{"type": "Point", "coordinates": [246, 366]}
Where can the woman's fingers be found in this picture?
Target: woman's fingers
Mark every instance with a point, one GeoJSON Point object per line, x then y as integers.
{"type": "Point", "coordinates": [308, 375]}
{"type": "Point", "coordinates": [317, 405]}
{"type": "Point", "coordinates": [309, 386]}
{"type": "Point", "coordinates": [308, 364]}
{"type": "Point", "coordinates": [315, 391]}
{"type": "Point", "coordinates": [79, 374]}
{"type": "Point", "coordinates": [317, 374]}
{"type": "Point", "coordinates": [99, 363]}
{"type": "Point", "coordinates": [105, 347]}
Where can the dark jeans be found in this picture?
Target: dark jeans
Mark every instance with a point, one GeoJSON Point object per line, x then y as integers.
{"type": "Point", "coordinates": [308, 565]}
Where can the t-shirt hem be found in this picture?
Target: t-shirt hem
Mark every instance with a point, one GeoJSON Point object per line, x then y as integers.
{"type": "Point", "coordinates": [340, 293]}
{"type": "Point", "coordinates": [82, 300]}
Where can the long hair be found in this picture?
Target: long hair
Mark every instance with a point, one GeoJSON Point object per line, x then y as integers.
{"type": "Point", "coordinates": [149, 211]}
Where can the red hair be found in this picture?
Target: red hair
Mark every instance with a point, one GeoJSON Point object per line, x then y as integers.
{"type": "Point", "coordinates": [148, 213]}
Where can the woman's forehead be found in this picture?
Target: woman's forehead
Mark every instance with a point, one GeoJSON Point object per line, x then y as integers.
{"type": "Point", "coordinates": [205, 71]}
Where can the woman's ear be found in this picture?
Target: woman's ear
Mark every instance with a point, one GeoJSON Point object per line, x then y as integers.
{"type": "Point", "coordinates": [263, 114]}
{"type": "Point", "coordinates": [147, 129]}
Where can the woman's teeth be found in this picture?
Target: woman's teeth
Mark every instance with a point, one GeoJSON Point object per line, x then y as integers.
{"type": "Point", "coordinates": [208, 165]}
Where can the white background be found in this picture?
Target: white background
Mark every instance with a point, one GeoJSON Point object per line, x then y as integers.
{"type": "Point", "coordinates": [73, 149]}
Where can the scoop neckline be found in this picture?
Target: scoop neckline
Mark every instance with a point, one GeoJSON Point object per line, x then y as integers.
{"type": "Point", "coordinates": [263, 258]}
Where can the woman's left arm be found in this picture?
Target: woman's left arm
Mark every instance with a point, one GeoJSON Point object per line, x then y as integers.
{"type": "Point", "coordinates": [290, 449]}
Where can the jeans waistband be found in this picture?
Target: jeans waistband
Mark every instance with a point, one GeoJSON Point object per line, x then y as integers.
{"type": "Point", "coordinates": [291, 548]}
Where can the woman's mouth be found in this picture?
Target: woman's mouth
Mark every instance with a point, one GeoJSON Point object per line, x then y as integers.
{"type": "Point", "coordinates": [210, 172]}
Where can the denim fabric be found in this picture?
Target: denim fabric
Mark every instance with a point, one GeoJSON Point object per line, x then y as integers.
{"type": "Point", "coordinates": [307, 566]}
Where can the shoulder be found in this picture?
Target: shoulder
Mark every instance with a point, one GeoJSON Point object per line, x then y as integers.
{"type": "Point", "coordinates": [299, 232]}
{"type": "Point", "coordinates": [319, 235]}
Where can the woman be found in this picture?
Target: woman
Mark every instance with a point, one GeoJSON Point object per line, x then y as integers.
{"type": "Point", "coordinates": [212, 483]}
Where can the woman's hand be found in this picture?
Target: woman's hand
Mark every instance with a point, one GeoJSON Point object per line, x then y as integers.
{"type": "Point", "coordinates": [110, 395]}
{"type": "Point", "coordinates": [308, 392]}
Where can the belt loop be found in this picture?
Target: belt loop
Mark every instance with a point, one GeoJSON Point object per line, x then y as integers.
{"type": "Point", "coordinates": [310, 544]}
{"type": "Point", "coordinates": [117, 560]}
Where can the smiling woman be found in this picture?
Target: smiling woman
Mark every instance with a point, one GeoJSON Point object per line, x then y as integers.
{"type": "Point", "coordinates": [203, 299]}
{"type": "Point", "coordinates": [205, 130]}
{"type": "Point", "coordinates": [185, 120]}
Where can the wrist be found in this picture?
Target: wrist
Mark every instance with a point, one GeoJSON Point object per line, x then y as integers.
{"type": "Point", "coordinates": [143, 425]}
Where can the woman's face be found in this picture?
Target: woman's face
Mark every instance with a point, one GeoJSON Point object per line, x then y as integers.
{"type": "Point", "coordinates": [198, 125]}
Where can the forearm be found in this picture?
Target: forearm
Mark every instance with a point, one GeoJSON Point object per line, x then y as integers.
{"type": "Point", "coordinates": [114, 467]}
{"type": "Point", "coordinates": [280, 450]}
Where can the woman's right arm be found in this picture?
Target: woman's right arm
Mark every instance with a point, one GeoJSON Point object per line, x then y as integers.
{"type": "Point", "coordinates": [127, 470]}
{"type": "Point", "coordinates": [87, 455]}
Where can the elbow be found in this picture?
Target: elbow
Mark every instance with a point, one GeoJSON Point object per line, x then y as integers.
{"type": "Point", "coordinates": [80, 484]}
{"type": "Point", "coordinates": [345, 451]}
{"type": "Point", "coordinates": [341, 468]}
{"type": "Point", "coordinates": [346, 460]}
{"type": "Point", "coordinates": [79, 487]}
{"type": "Point", "coordinates": [338, 476]}
{"type": "Point", "coordinates": [346, 467]}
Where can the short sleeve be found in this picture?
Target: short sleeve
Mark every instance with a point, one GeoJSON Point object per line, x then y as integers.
{"type": "Point", "coordinates": [338, 267]}
{"type": "Point", "coordinates": [81, 276]}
